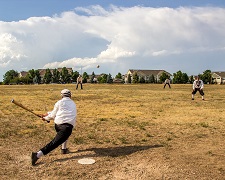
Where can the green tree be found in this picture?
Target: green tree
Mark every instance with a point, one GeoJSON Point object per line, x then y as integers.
{"type": "Point", "coordinates": [207, 77]}
{"type": "Point", "coordinates": [75, 76]}
{"type": "Point", "coordinates": [177, 77]}
{"type": "Point", "coordinates": [92, 77]}
{"type": "Point", "coordinates": [65, 76]}
{"type": "Point", "coordinates": [163, 77]}
{"type": "Point", "coordinates": [119, 76]}
{"type": "Point", "coordinates": [109, 79]}
{"type": "Point", "coordinates": [47, 77]}
{"type": "Point", "coordinates": [180, 78]}
{"type": "Point", "coordinates": [9, 76]}
{"type": "Point", "coordinates": [185, 78]}
{"type": "Point", "coordinates": [191, 79]}
{"type": "Point", "coordinates": [31, 74]}
{"type": "Point", "coordinates": [152, 79]}
{"type": "Point", "coordinates": [200, 76]}
{"type": "Point", "coordinates": [34, 76]}
{"type": "Point", "coordinates": [55, 76]}
{"type": "Point", "coordinates": [15, 80]}
{"type": "Point", "coordinates": [26, 79]}
{"type": "Point", "coordinates": [135, 77]}
{"type": "Point", "coordinates": [142, 79]}
{"type": "Point", "coordinates": [102, 78]}
{"type": "Point", "coordinates": [85, 77]}
{"type": "Point", "coordinates": [37, 77]}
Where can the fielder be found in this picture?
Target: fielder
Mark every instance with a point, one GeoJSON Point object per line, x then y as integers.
{"type": "Point", "coordinates": [198, 86]}
{"type": "Point", "coordinates": [79, 81]}
{"type": "Point", "coordinates": [64, 115]}
{"type": "Point", "coordinates": [167, 81]}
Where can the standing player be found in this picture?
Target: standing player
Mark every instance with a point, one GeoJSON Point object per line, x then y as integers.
{"type": "Point", "coordinates": [167, 81]}
{"type": "Point", "coordinates": [198, 86]}
{"type": "Point", "coordinates": [79, 81]}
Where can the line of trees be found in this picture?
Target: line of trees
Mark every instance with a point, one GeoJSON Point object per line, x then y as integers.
{"type": "Point", "coordinates": [33, 76]}
{"type": "Point", "coordinates": [182, 78]}
{"type": "Point", "coordinates": [178, 78]}
{"type": "Point", "coordinates": [103, 78]}
{"type": "Point", "coordinates": [54, 76]}
{"type": "Point", "coordinates": [141, 79]}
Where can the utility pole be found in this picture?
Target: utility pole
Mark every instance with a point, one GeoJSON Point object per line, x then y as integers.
{"type": "Point", "coordinates": [81, 70]}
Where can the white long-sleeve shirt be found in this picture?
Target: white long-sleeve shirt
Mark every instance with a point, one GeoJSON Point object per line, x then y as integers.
{"type": "Point", "coordinates": [64, 112]}
{"type": "Point", "coordinates": [80, 79]}
{"type": "Point", "coordinates": [198, 84]}
{"type": "Point", "coordinates": [167, 81]}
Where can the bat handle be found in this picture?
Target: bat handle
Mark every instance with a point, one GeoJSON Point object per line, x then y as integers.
{"type": "Point", "coordinates": [48, 121]}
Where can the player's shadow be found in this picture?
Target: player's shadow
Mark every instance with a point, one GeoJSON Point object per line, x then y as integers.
{"type": "Point", "coordinates": [109, 151]}
{"type": "Point", "coordinates": [119, 151]}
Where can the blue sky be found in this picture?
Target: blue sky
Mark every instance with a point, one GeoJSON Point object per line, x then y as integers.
{"type": "Point", "coordinates": [14, 10]}
{"type": "Point", "coordinates": [186, 35]}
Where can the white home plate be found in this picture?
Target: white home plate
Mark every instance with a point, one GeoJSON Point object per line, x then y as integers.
{"type": "Point", "coordinates": [86, 161]}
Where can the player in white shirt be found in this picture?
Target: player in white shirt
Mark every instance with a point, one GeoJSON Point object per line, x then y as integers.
{"type": "Point", "coordinates": [79, 81]}
{"type": "Point", "coordinates": [198, 85]}
{"type": "Point", "coordinates": [64, 115]}
{"type": "Point", "coordinates": [167, 81]}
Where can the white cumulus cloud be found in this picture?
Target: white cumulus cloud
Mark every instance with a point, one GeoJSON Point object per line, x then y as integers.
{"type": "Point", "coordinates": [10, 49]}
{"type": "Point", "coordinates": [117, 38]}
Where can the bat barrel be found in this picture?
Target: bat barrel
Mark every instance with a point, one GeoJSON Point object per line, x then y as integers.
{"type": "Point", "coordinates": [20, 105]}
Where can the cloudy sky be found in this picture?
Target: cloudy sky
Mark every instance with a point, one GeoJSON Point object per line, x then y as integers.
{"type": "Point", "coordinates": [118, 35]}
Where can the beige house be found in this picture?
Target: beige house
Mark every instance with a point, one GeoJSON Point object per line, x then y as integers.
{"type": "Point", "coordinates": [43, 71]}
{"type": "Point", "coordinates": [146, 74]}
{"type": "Point", "coordinates": [22, 74]}
{"type": "Point", "coordinates": [218, 77]}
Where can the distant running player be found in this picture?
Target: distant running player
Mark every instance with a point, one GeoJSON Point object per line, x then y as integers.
{"type": "Point", "coordinates": [198, 85]}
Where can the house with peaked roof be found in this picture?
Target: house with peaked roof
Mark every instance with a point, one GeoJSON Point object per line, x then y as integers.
{"type": "Point", "coordinates": [22, 74]}
{"type": "Point", "coordinates": [146, 74]}
{"type": "Point", "coordinates": [218, 77]}
{"type": "Point", "coordinates": [43, 71]}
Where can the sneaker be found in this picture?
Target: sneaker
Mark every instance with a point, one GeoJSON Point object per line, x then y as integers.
{"type": "Point", "coordinates": [34, 158]}
{"type": "Point", "coordinates": [203, 99]}
{"type": "Point", "coordinates": [65, 151]}
{"type": "Point", "coordinates": [192, 98]}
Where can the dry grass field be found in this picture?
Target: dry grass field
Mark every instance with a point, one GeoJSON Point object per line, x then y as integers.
{"type": "Point", "coordinates": [134, 132]}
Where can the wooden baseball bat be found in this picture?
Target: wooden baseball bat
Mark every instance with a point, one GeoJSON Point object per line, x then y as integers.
{"type": "Point", "coordinates": [22, 106]}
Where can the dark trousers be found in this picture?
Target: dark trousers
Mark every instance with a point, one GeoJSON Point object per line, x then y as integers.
{"type": "Point", "coordinates": [63, 133]}
{"type": "Point", "coordinates": [198, 89]}
{"type": "Point", "coordinates": [80, 85]}
{"type": "Point", "coordinates": [166, 84]}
